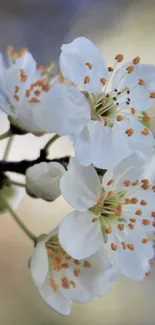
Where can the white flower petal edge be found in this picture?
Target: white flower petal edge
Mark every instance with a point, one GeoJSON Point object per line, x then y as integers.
{"type": "Point", "coordinates": [43, 180]}
{"type": "Point", "coordinates": [83, 193]}
{"type": "Point", "coordinates": [61, 279]}
{"type": "Point", "coordinates": [76, 67]}
{"type": "Point", "coordinates": [122, 218]}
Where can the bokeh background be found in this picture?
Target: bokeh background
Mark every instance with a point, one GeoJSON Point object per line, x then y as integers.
{"type": "Point", "coordinates": [117, 26]}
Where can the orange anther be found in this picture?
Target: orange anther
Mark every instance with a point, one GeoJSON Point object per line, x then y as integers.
{"type": "Point", "coordinates": [153, 188]}
{"type": "Point", "coordinates": [50, 252]}
{"type": "Point", "coordinates": [133, 110]}
{"type": "Point", "coordinates": [73, 283]}
{"type": "Point", "coordinates": [146, 118]}
{"type": "Point", "coordinates": [108, 230]}
{"type": "Point", "coordinates": [138, 212]}
{"type": "Point", "coordinates": [120, 118]}
{"type": "Point", "coordinates": [130, 69]}
{"type": "Point", "coordinates": [16, 97]}
{"type": "Point", "coordinates": [134, 200]}
{"type": "Point", "coordinates": [111, 181]}
{"type": "Point", "coordinates": [136, 60]}
{"type": "Point", "coordinates": [124, 245]}
{"type": "Point", "coordinates": [148, 273]}
{"type": "Point", "coordinates": [57, 266]}
{"type": "Point", "coordinates": [145, 186]}
{"type": "Point", "coordinates": [121, 226]}
{"type": "Point", "coordinates": [37, 92]}
{"type": "Point", "coordinates": [127, 201]}
{"type": "Point", "coordinates": [143, 202]}
{"type": "Point", "coordinates": [146, 222]}
{"type": "Point", "coordinates": [65, 283]}
{"type": "Point", "coordinates": [135, 183]}
{"type": "Point", "coordinates": [103, 101]}
{"type": "Point", "coordinates": [153, 223]}
{"type": "Point", "coordinates": [103, 81]}
{"type": "Point", "coordinates": [77, 262]}
{"type": "Point", "coordinates": [77, 272]}
{"type": "Point", "coordinates": [68, 258]}
{"type": "Point", "coordinates": [131, 247]}
{"type": "Point", "coordinates": [87, 80]}
{"type": "Point", "coordinates": [129, 132]}
{"type": "Point", "coordinates": [87, 264]}
{"type": "Point", "coordinates": [65, 265]}
{"type": "Point", "coordinates": [110, 194]}
{"type": "Point", "coordinates": [145, 241]}
{"type": "Point", "coordinates": [28, 92]}
{"type": "Point", "coordinates": [54, 285]}
{"type": "Point", "coordinates": [47, 87]}
{"type": "Point", "coordinates": [119, 57]}
{"type": "Point", "coordinates": [127, 183]}
{"type": "Point", "coordinates": [16, 89]}
{"type": "Point", "coordinates": [114, 247]}
{"type": "Point", "coordinates": [110, 69]}
{"type": "Point", "coordinates": [133, 220]}
{"type": "Point", "coordinates": [153, 214]}
{"type": "Point", "coordinates": [105, 122]}
{"type": "Point", "coordinates": [141, 82]}
{"type": "Point", "coordinates": [89, 65]}
{"type": "Point", "coordinates": [34, 100]}
{"type": "Point", "coordinates": [145, 131]}
{"type": "Point", "coordinates": [152, 95]}
{"type": "Point", "coordinates": [131, 226]}
{"type": "Point", "coordinates": [118, 212]}
{"type": "Point", "coordinates": [58, 258]}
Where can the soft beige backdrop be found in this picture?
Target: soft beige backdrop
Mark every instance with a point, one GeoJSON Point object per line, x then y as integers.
{"type": "Point", "coordinates": [42, 25]}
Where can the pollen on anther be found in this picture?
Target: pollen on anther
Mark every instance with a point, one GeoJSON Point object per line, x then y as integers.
{"type": "Point", "coordinates": [131, 226]}
{"type": "Point", "coordinates": [16, 89]}
{"type": "Point", "coordinates": [103, 81]}
{"type": "Point", "coordinates": [131, 247]}
{"type": "Point", "coordinates": [129, 132]}
{"type": "Point", "coordinates": [124, 245]}
{"type": "Point", "coordinates": [89, 65]}
{"type": "Point", "coordinates": [110, 69]}
{"type": "Point", "coordinates": [114, 247]}
{"type": "Point", "coordinates": [95, 219]}
{"type": "Point", "coordinates": [130, 69]}
{"type": "Point", "coordinates": [121, 226]}
{"type": "Point", "coordinates": [127, 183]}
{"type": "Point", "coordinates": [152, 95]}
{"type": "Point", "coordinates": [34, 100]}
{"type": "Point", "coordinates": [37, 92]}
{"type": "Point", "coordinates": [76, 262]}
{"type": "Point", "coordinates": [54, 285]}
{"type": "Point", "coordinates": [133, 220]}
{"type": "Point", "coordinates": [148, 273]}
{"type": "Point", "coordinates": [145, 241]}
{"type": "Point", "coordinates": [87, 264]}
{"type": "Point", "coordinates": [146, 222]}
{"type": "Point", "coordinates": [108, 230]}
{"type": "Point", "coordinates": [111, 181]}
{"type": "Point", "coordinates": [87, 80]}
{"type": "Point", "coordinates": [16, 97]}
{"type": "Point", "coordinates": [145, 131]}
{"type": "Point", "coordinates": [47, 87]}
{"type": "Point", "coordinates": [77, 272]}
{"type": "Point", "coordinates": [120, 118]}
{"type": "Point", "coordinates": [141, 82]}
{"type": "Point", "coordinates": [136, 60]}
{"type": "Point", "coordinates": [146, 118]}
{"type": "Point", "coordinates": [134, 200]}
{"type": "Point", "coordinates": [153, 188]}
{"type": "Point", "coordinates": [28, 93]}
{"type": "Point", "coordinates": [119, 57]}
{"type": "Point", "coordinates": [143, 202]}
{"type": "Point", "coordinates": [65, 283]}
{"type": "Point", "coordinates": [65, 265]}
{"type": "Point", "coordinates": [133, 110]}
{"type": "Point", "coordinates": [138, 212]}
{"type": "Point", "coordinates": [135, 183]}
{"type": "Point", "coordinates": [73, 283]}
{"type": "Point", "coordinates": [127, 201]}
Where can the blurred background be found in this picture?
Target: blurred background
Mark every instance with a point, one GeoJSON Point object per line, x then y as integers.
{"type": "Point", "coordinates": [117, 26]}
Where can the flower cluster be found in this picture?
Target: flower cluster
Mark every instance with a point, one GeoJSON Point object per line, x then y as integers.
{"type": "Point", "coordinates": [110, 181]}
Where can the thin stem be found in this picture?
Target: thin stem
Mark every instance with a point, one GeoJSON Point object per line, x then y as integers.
{"type": "Point", "coordinates": [6, 135]}
{"type": "Point", "coordinates": [51, 141]}
{"type": "Point", "coordinates": [8, 147]}
{"type": "Point", "coordinates": [17, 183]}
{"type": "Point", "coordinates": [19, 222]}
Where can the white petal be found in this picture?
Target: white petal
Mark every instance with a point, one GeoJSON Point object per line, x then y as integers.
{"type": "Point", "coordinates": [100, 145]}
{"type": "Point", "coordinates": [55, 300]}
{"type": "Point", "coordinates": [130, 168]}
{"type": "Point", "coordinates": [39, 263]}
{"type": "Point", "coordinates": [150, 170]}
{"type": "Point", "coordinates": [73, 66]}
{"type": "Point", "coordinates": [138, 141]}
{"type": "Point", "coordinates": [65, 111]}
{"type": "Point", "coordinates": [139, 95]}
{"type": "Point", "coordinates": [43, 180]}
{"type": "Point", "coordinates": [79, 236]}
{"type": "Point", "coordinates": [80, 185]}
{"type": "Point", "coordinates": [134, 264]}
